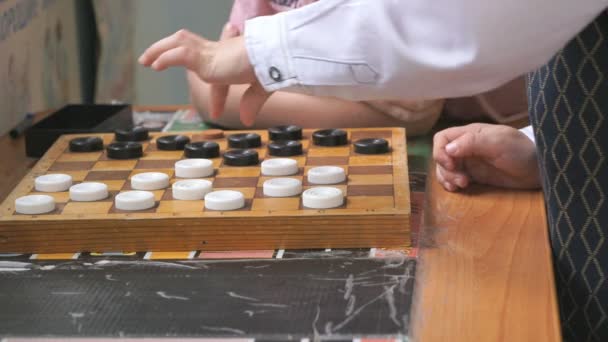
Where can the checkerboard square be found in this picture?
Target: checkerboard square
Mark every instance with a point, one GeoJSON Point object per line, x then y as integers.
{"type": "Point", "coordinates": [329, 151]}
{"type": "Point", "coordinates": [383, 159]}
{"type": "Point", "coordinates": [370, 202]}
{"type": "Point", "coordinates": [158, 194]}
{"type": "Point", "coordinates": [301, 160]}
{"type": "Point", "coordinates": [151, 147]}
{"type": "Point", "coordinates": [262, 179]}
{"type": "Point", "coordinates": [262, 152]}
{"type": "Point", "coordinates": [299, 174]}
{"type": "Point", "coordinates": [217, 162]}
{"type": "Point", "coordinates": [342, 187]}
{"type": "Point", "coordinates": [370, 190]}
{"type": "Point", "coordinates": [275, 204]}
{"type": "Point", "coordinates": [247, 192]}
{"type": "Point", "coordinates": [200, 137]}
{"type": "Point", "coordinates": [107, 138]}
{"type": "Point", "coordinates": [72, 166]}
{"type": "Point", "coordinates": [84, 208]}
{"type": "Point", "coordinates": [327, 161]}
{"type": "Point", "coordinates": [115, 165]}
{"type": "Point", "coordinates": [168, 172]}
{"type": "Point", "coordinates": [114, 185]}
{"type": "Point", "coordinates": [96, 176]}
{"type": "Point", "coordinates": [173, 180]}
{"type": "Point", "coordinates": [259, 193]}
{"type": "Point", "coordinates": [369, 134]}
{"type": "Point", "coordinates": [77, 176]}
{"type": "Point", "coordinates": [238, 172]}
{"type": "Point", "coordinates": [369, 179]}
{"type": "Point", "coordinates": [235, 182]}
{"type": "Point", "coordinates": [223, 144]}
{"type": "Point", "coordinates": [60, 197]}
{"type": "Point", "coordinates": [156, 164]}
{"type": "Point", "coordinates": [163, 155]}
{"type": "Point", "coordinates": [175, 206]}
{"type": "Point", "coordinates": [371, 170]}
{"type": "Point", "coordinates": [307, 168]}
{"type": "Point", "coordinates": [305, 182]}
{"type": "Point", "coordinates": [353, 153]}
{"type": "Point", "coordinates": [168, 196]}
{"type": "Point", "coordinates": [74, 157]}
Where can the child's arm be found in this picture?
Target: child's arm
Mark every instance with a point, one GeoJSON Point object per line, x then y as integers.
{"type": "Point", "coordinates": [302, 110]}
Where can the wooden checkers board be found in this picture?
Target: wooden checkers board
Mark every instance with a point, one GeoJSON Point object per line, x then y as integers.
{"type": "Point", "coordinates": [375, 214]}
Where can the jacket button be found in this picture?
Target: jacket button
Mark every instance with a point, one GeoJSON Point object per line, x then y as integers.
{"type": "Point", "coordinates": [275, 74]}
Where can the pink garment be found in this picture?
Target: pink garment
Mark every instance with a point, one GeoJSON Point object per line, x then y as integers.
{"type": "Point", "coordinates": [247, 9]}
{"type": "Point", "coordinates": [504, 105]}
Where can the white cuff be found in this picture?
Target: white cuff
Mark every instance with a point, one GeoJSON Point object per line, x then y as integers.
{"type": "Point", "coordinates": [529, 132]}
{"type": "Point", "coordinates": [268, 53]}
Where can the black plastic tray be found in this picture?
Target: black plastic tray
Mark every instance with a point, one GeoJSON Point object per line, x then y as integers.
{"type": "Point", "coordinates": [74, 119]}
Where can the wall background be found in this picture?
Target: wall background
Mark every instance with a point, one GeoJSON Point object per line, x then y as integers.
{"type": "Point", "coordinates": [39, 57]}
{"type": "Point", "coordinates": [54, 52]}
{"type": "Point", "coordinates": [155, 19]}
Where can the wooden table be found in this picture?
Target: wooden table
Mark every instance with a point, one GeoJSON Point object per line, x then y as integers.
{"type": "Point", "coordinates": [485, 271]}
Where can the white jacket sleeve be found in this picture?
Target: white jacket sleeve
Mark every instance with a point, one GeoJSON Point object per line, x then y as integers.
{"type": "Point", "coordinates": [410, 49]}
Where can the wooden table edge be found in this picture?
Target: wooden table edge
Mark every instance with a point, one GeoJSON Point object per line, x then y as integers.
{"type": "Point", "coordinates": [421, 330]}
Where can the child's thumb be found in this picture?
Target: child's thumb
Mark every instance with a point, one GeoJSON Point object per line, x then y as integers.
{"type": "Point", "coordinates": [252, 102]}
{"type": "Point", "coordinates": [229, 31]}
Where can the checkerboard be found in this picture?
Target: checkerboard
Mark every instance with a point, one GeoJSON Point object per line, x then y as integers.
{"type": "Point", "coordinates": [375, 214]}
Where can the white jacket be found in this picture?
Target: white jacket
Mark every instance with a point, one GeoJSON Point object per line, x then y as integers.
{"type": "Point", "coordinates": [410, 49]}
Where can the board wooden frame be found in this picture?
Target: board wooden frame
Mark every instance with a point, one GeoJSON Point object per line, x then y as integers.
{"type": "Point", "coordinates": [237, 230]}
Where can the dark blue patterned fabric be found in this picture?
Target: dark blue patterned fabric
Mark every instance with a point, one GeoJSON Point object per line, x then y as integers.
{"type": "Point", "coordinates": [568, 101]}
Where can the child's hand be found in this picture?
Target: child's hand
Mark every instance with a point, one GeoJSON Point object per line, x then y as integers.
{"type": "Point", "coordinates": [223, 62]}
{"type": "Point", "coordinates": [486, 154]}
{"type": "Point", "coordinates": [219, 92]}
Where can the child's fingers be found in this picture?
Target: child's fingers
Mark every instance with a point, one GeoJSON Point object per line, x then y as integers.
{"type": "Point", "coordinates": [252, 102]}
{"type": "Point", "coordinates": [219, 92]}
{"type": "Point", "coordinates": [180, 56]}
{"type": "Point", "coordinates": [218, 95]}
{"type": "Point", "coordinates": [157, 49]}
{"type": "Point", "coordinates": [180, 38]}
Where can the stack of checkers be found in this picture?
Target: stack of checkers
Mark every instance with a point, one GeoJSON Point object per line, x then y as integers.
{"type": "Point", "coordinates": [200, 161]}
